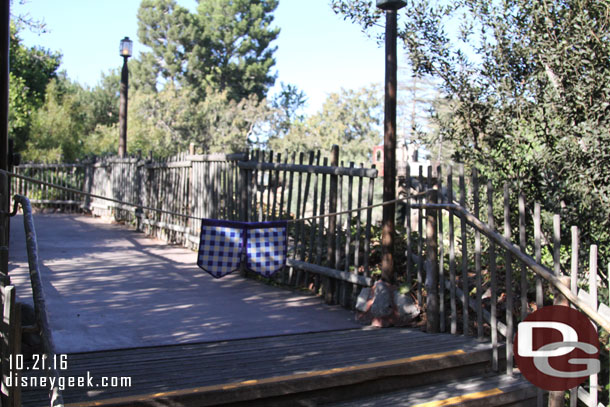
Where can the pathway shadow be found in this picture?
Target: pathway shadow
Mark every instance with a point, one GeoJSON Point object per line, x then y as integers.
{"type": "Point", "coordinates": [109, 288]}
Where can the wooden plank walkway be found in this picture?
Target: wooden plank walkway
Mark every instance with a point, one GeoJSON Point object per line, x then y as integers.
{"type": "Point", "coordinates": [110, 288]}
{"type": "Point", "coordinates": [487, 390]}
{"type": "Point", "coordinates": [137, 314]}
{"type": "Point", "coordinates": [246, 369]}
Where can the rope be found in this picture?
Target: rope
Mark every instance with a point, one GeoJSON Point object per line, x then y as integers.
{"type": "Point", "coordinates": [90, 195]}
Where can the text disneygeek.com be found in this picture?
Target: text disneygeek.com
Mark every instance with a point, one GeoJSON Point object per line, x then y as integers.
{"type": "Point", "coordinates": [40, 363]}
{"type": "Point", "coordinates": [62, 382]}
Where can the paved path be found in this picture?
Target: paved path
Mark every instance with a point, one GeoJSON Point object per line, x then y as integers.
{"type": "Point", "coordinates": [109, 288]}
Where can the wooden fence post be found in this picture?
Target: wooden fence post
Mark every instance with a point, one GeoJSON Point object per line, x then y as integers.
{"type": "Point", "coordinates": [432, 304]}
{"type": "Point", "coordinates": [328, 283]}
{"type": "Point", "coordinates": [556, 398]}
{"type": "Point", "coordinates": [11, 346]}
{"type": "Point", "coordinates": [243, 205]}
{"type": "Point", "coordinates": [243, 192]}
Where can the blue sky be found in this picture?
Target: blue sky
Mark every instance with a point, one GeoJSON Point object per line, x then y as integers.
{"type": "Point", "coordinates": [316, 51]}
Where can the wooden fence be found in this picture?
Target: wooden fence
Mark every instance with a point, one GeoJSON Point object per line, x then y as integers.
{"type": "Point", "coordinates": [329, 255]}
{"type": "Point", "coordinates": [196, 186]}
{"type": "Point", "coordinates": [478, 281]}
{"type": "Point", "coordinates": [168, 198]}
{"type": "Point", "coordinates": [469, 277]}
{"type": "Point", "coordinates": [10, 392]}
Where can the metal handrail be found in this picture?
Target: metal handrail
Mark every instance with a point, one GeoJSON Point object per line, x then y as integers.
{"type": "Point", "coordinates": [40, 309]}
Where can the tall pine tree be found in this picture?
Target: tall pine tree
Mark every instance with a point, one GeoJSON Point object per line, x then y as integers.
{"type": "Point", "coordinates": [224, 46]}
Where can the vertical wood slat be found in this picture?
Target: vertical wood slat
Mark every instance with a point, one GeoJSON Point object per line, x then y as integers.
{"type": "Point", "coordinates": [452, 298]}
{"type": "Point", "coordinates": [358, 224]}
{"type": "Point", "coordinates": [441, 252]}
{"type": "Point", "coordinates": [322, 220]}
{"type": "Point", "coordinates": [269, 183]}
{"type": "Point", "coordinates": [250, 207]}
{"type": "Point", "coordinates": [493, 280]}
{"type": "Point", "coordinates": [408, 227]}
{"type": "Point", "coordinates": [348, 227]}
{"type": "Point", "coordinates": [356, 270]}
{"type": "Point", "coordinates": [557, 244]}
{"type": "Point", "coordinates": [298, 225]}
{"type": "Point", "coordinates": [276, 186]}
{"type": "Point", "coordinates": [522, 245]}
{"type": "Point", "coordinates": [281, 207]}
{"type": "Point", "coordinates": [538, 253]}
{"type": "Point", "coordinates": [508, 285]}
{"type": "Point", "coordinates": [290, 187]}
{"type": "Point", "coordinates": [367, 228]}
{"type": "Point", "coordinates": [593, 379]}
{"type": "Point", "coordinates": [254, 194]}
{"type": "Point", "coordinates": [305, 200]}
{"type": "Point", "coordinates": [420, 238]}
{"type": "Point", "coordinates": [11, 345]}
{"type": "Point", "coordinates": [332, 222]}
{"type": "Point", "coordinates": [432, 311]}
{"type": "Point", "coordinates": [464, 247]}
{"type": "Point", "coordinates": [229, 193]}
{"type": "Point", "coordinates": [574, 261]}
{"type": "Point", "coordinates": [314, 222]}
{"type": "Point", "coordinates": [300, 273]}
{"type": "Point", "coordinates": [224, 197]}
{"type": "Point", "coordinates": [261, 189]}
{"type": "Point", "coordinates": [477, 255]}
{"type": "Point", "coordinates": [288, 272]}
{"type": "Point", "coordinates": [340, 292]}
{"type": "Point", "coordinates": [574, 290]}
{"type": "Point", "coordinates": [340, 208]}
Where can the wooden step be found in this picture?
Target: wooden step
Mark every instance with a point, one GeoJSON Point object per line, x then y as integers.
{"type": "Point", "coordinates": [283, 370]}
{"type": "Point", "coordinates": [486, 390]}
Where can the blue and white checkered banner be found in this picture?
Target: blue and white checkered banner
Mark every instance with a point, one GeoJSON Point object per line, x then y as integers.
{"type": "Point", "coordinates": [224, 244]}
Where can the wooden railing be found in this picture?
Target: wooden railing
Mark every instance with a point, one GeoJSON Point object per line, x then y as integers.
{"type": "Point", "coordinates": [41, 326]}
{"type": "Point", "coordinates": [167, 199]}
{"type": "Point", "coordinates": [329, 254]}
{"type": "Point", "coordinates": [469, 277]}
{"type": "Point", "coordinates": [477, 281]}
{"type": "Point", "coordinates": [67, 175]}
{"type": "Point", "coordinates": [10, 331]}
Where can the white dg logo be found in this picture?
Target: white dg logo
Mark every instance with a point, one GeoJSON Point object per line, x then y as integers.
{"type": "Point", "coordinates": [568, 343]}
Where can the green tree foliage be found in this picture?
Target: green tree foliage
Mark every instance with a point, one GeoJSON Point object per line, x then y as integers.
{"type": "Point", "coordinates": [286, 105]}
{"type": "Point", "coordinates": [73, 121]}
{"type": "Point", "coordinates": [58, 125]}
{"type": "Point", "coordinates": [225, 46]}
{"type": "Point", "coordinates": [31, 69]}
{"type": "Point", "coordinates": [529, 87]}
{"type": "Point", "coordinates": [168, 121]}
{"type": "Point", "coordinates": [349, 118]}
{"type": "Point", "coordinates": [202, 82]}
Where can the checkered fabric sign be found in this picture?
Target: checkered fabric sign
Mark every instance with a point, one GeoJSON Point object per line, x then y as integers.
{"type": "Point", "coordinates": [223, 245]}
{"type": "Point", "coordinates": [266, 249]}
{"type": "Point", "coordinates": [220, 246]}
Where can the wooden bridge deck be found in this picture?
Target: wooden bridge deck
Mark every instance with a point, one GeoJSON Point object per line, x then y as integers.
{"type": "Point", "coordinates": [110, 288]}
{"type": "Point", "coordinates": [124, 306]}
{"type": "Point", "coordinates": [246, 369]}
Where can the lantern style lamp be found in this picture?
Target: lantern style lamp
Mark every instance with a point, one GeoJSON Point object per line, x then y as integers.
{"type": "Point", "coordinates": [126, 47]}
{"type": "Point", "coordinates": [390, 4]}
{"type": "Point", "coordinates": [125, 50]}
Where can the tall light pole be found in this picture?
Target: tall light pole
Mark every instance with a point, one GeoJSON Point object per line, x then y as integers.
{"type": "Point", "coordinates": [4, 150]}
{"type": "Point", "coordinates": [125, 51]}
{"type": "Point", "coordinates": [391, 8]}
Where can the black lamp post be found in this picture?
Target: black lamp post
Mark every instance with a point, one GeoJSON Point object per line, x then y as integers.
{"type": "Point", "coordinates": [389, 139]}
{"type": "Point", "coordinates": [125, 51]}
